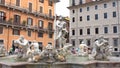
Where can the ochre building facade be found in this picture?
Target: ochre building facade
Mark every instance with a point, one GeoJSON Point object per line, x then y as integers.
{"type": "Point", "coordinates": [32, 18]}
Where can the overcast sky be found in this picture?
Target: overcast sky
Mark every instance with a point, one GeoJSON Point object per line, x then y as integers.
{"type": "Point", "coordinates": [61, 8]}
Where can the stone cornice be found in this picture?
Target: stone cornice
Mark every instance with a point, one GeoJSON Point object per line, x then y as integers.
{"type": "Point", "coordinates": [88, 4]}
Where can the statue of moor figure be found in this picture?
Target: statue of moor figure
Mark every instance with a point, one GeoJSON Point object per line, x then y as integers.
{"type": "Point", "coordinates": [101, 50]}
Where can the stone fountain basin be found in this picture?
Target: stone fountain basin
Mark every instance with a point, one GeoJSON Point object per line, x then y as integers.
{"type": "Point", "coordinates": [72, 62]}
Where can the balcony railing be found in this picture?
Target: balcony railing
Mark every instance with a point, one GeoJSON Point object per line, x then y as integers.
{"type": "Point", "coordinates": [2, 3]}
{"type": "Point", "coordinates": [19, 25]}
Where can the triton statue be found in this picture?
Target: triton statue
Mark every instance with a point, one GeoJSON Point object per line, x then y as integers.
{"type": "Point", "coordinates": [22, 45]}
{"type": "Point", "coordinates": [101, 50]}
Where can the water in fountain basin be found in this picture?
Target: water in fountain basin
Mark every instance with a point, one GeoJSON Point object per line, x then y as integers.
{"type": "Point", "coordinates": [76, 59]}
{"type": "Point", "coordinates": [11, 59]}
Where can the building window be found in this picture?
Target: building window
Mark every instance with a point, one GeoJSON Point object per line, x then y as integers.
{"type": "Point", "coordinates": [2, 16]}
{"type": "Point", "coordinates": [80, 18]}
{"type": "Point", "coordinates": [29, 33]}
{"type": "Point", "coordinates": [80, 9]}
{"type": "Point", "coordinates": [17, 19]}
{"type": "Point", "coordinates": [40, 24]}
{"type": "Point", "coordinates": [16, 32]}
{"type": "Point", "coordinates": [96, 30]}
{"type": "Point", "coordinates": [42, 1]}
{"type": "Point", "coordinates": [114, 4]}
{"type": "Point", "coordinates": [73, 11]}
{"type": "Point", "coordinates": [114, 29]}
{"type": "Point", "coordinates": [80, 41]}
{"type": "Point", "coordinates": [1, 30]}
{"type": "Point", "coordinates": [30, 7]}
{"type": "Point", "coordinates": [80, 1]}
{"type": "Point", "coordinates": [88, 17]}
{"type": "Point", "coordinates": [115, 41]}
{"type": "Point", "coordinates": [50, 35]}
{"type": "Point", "coordinates": [105, 30]}
{"type": "Point", "coordinates": [1, 42]}
{"type": "Point", "coordinates": [50, 43]}
{"type": "Point", "coordinates": [50, 26]}
{"type": "Point", "coordinates": [73, 19]}
{"type": "Point", "coordinates": [96, 7]}
{"type": "Point", "coordinates": [105, 15]}
{"type": "Point", "coordinates": [88, 8]}
{"type": "Point", "coordinates": [81, 32]}
{"type": "Point", "coordinates": [88, 42]}
{"type": "Point", "coordinates": [41, 9]}
{"type": "Point", "coordinates": [50, 12]}
{"type": "Point", "coordinates": [73, 32]}
{"type": "Point", "coordinates": [29, 42]}
{"type": "Point", "coordinates": [73, 2]}
{"type": "Point", "coordinates": [105, 5]}
{"type": "Point", "coordinates": [17, 2]}
{"type": "Point", "coordinates": [88, 31]}
{"type": "Point", "coordinates": [114, 14]}
{"type": "Point", "coordinates": [29, 21]}
{"type": "Point", "coordinates": [2, 1]}
{"type": "Point", "coordinates": [73, 42]}
{"type": "Point", "coordinates": [50, 2]}
{"type": "Point", "coordinates": [115, 49]}
{"type": "Point", "coordinates": [40, 45]}
{"type": "Point", "coordinates": [40, 34]}
{"type": "Point", "coordinates": [96, 16]}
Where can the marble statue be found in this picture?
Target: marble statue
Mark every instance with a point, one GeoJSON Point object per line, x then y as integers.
{"type": "Point", "coordinates": [63, 52]}
{"type": "Point", "coordinates": [22, 45]}
{"type": "Point", "coordinates": [51, 55]}
{"type": "Point", "coordinates": [83, 49]}
{"type": "Point", "coordinates": [33, 51]}
{"type": "Point", "coordinates": [2, 51]}
{"type": "Point", "coordinates": [61, 31]}
{"type": "Point", "coordinates": [101, 50]}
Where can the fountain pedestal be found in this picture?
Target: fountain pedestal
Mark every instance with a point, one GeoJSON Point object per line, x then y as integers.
{"type": "Point", "coordinates": [89, 64]}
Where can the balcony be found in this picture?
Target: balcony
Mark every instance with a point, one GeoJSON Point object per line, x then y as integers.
{"type": "Point", "coordinates": [2, 3]}
{"type": "Point", "coordinates": [49, 16]}
{"type": "Point", "coordinates": [20, 26]}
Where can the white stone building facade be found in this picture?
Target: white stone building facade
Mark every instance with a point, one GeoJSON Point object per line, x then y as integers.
{"type": "Point", "coordinates": [90, 20]}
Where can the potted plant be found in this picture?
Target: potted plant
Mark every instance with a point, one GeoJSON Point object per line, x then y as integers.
{"type": "Point", "coordinates": [24, 23]}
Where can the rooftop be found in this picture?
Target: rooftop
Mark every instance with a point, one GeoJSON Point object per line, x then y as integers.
{"type": "Point", "coordinates": [88, 3]}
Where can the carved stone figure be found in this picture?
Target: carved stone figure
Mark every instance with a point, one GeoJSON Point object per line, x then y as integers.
{"type": "Point", "coordinates": [101, 49]}
{"type": "Point", "coordinates": [61, 31]}
{"type": "Point", "coordinates": [51, 55]}
{"type": "Point", "coordinates": [63, 52]}
{"type": "Point", "coordinates": [83, 49]}
{"type": "Point", "coordinates": [33, 51]}
{"type": "Point", "coordinates": [22, 45]}
{"type": "Point", "coordinates": [2, 51]}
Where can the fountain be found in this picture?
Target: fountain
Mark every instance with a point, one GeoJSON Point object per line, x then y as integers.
{"type": "Point", "coordinates": [29, 55]}
{"type": "Point", "coordinates": [2, 51]}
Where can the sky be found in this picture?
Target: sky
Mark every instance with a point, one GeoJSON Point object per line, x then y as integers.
{"type": "Point", "coordinates": [61, 8]}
